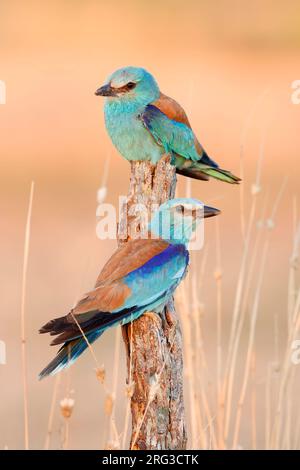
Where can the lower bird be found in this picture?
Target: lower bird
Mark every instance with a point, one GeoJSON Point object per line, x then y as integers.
{"type": "Point", "coordinates": [140, 276]}
{"type": "Point", "coordinates": [143, 124]}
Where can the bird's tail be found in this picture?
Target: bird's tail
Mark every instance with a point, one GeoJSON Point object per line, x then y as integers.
{"type": "Point", "coordinates": [199, 171]}
{"type": "Point", "coordinates": [69, 352]}
{"type": "Point", "coordinates": [74, 343]}
{"type": "Point", "coordinates": [203, 169]}
{"type": "Point", "coordinates": [222, 175]}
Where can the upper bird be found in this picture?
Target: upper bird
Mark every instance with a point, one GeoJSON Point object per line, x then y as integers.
{"type": "Point", "coordinates": [143, 124]}
{"type": "Point", "coordinates": [140, 276]}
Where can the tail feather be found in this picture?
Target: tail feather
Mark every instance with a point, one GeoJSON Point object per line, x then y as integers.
{"type": "Point", "coordinates": [68, 354]}
{"type": "Point", "coordinates": [203, 172]}
{"type": "Point", "coordinates": [203, 169]}
{"type": "Point", "coordinates": [206, 160]}
{"type": "Point", "coordinates": [222, 175]}
{"type": "Point", "coordinates": [66, 328]}
{"type": "Point", "coordinates": [93, 324]}
{"type": "Point", "coordinates": [56, 325]}
{"type": "Point", "coordinates": [74, 342]}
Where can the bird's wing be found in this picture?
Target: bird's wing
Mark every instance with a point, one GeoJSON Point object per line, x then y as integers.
{"type": "Point", "coordinates": [134, 277]}
{"type": "Point", "coordinates": [129, 257]}
{"type": "Point", "coordinates": [175, 112]}
{"type": "Point", "coordinates": [112, 291]}
{"type": "Point", "coordinates": [172, 135]}
{"type": "Point", "coordinates": [172, 109]}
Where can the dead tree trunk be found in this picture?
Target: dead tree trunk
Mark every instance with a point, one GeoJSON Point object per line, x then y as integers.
{"type": "Point", "coordinates": [153, 342]}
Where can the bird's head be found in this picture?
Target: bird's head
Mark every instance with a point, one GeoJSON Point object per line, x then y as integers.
{"type": "Point", "coordinates": [130, 84]}
{"type": "Point", "coordinates": [176, 220]}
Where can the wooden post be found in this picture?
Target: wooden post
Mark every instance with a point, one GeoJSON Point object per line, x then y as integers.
{"type": "Point", "coordinates": [153, 342]}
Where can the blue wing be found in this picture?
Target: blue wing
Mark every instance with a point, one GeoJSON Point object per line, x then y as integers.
{"type": "Point", "coordinates": [172, 135]}
{"type": "Point", "coordinates": [178, 139]}
{"type": "Point", "coordinates": [157, 277]}
{"type": "Point", "coordinates": [140, 289]}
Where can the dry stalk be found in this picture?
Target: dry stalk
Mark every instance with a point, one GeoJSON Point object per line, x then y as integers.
{"type": "Point", "coordinates": [23, 322]}
{"type": "Point", "coordinates": [51, 412]}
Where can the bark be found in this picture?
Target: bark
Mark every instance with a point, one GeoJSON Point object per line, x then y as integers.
{"type": "Point", "coordinates": [153, 342]}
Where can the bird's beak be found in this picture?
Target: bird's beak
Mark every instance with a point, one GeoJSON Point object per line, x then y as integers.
{"type": "Point", "coordinates": [210, 212]}
{"type": "Point", "coordinates": [204, 212]}
{"type": "Point", "coordinates": [105, 90]}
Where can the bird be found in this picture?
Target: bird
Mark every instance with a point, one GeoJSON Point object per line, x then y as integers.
{"type": "Point", "coordinates": [143, 124]}
{"type": "Point", "coordinates": [140, 276]}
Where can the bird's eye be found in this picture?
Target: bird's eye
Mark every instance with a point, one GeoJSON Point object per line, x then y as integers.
{"type": "Point", "coordinates": [130, 85]}
{"type": "Point", "coordinates": [180, 209]}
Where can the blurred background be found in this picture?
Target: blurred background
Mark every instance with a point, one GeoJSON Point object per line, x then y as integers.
{"type": "Point", "coordinates": [231, 64]}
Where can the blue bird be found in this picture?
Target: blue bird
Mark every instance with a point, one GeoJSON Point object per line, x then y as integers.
{"type": "Point", "coordinates": [140, 276]}
{"type": "Point", "coordinates": [143, 124]}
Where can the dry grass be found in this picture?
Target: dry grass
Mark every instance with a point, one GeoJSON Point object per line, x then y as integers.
{"type": "Point", "coordinates": [23, 320]}
{"type": "Point", "coordinates": [217, 407]}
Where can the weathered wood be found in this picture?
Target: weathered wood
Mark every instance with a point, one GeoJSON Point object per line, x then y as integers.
{"type": "Point", "coordinates": [153, 342]}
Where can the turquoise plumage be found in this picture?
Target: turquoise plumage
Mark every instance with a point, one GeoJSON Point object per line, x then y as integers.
{"type": "Point", "coordinates": [141, 276]}
{"type": "Point", "coordinates": [143, 124]}
{"type": "Point", "coordinates": [173, 136]}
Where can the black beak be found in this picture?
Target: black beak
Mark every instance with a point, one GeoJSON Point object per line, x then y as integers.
{"type": "Point", "coordinates": [210, 212]}
{"type": "Point", "coordinates": [105, 90]}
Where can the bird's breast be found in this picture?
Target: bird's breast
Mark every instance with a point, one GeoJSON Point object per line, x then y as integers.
{"type": "Point", "coordinates": [129, 135]}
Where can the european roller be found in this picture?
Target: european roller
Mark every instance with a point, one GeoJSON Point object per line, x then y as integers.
{"type": "Point", "coordinates": [143, 124]}
{"type": "Point", "coordinates": [140, 276]}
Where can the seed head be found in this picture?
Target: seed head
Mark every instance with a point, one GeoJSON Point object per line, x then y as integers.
{"type": "Point", "coordinates": [218, 274]}
{"type": "Point", "coordinates": [255, 189]}
{"type": "Point", "coordinates": [108, 405]}
{"type": "Point", "coordinates": [101, 194]}
{"type": "Point", "coordinates": [66, 407]}
{"type": "Point", "coordinates": [100, 374]}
